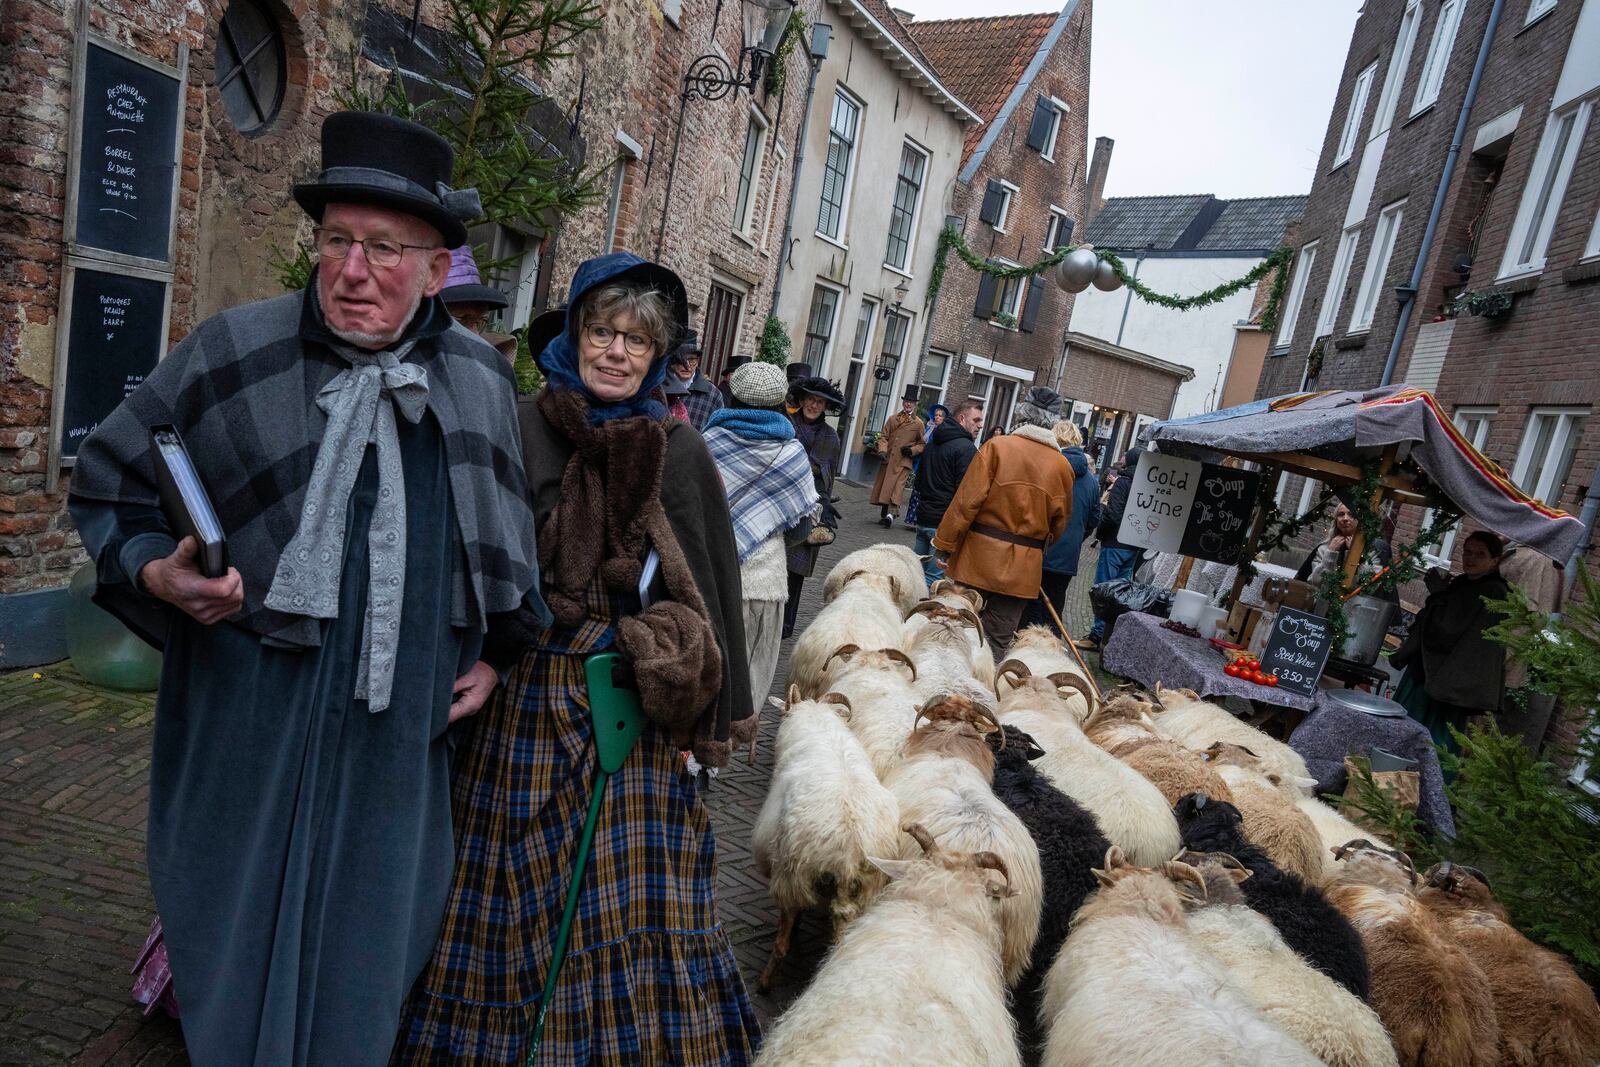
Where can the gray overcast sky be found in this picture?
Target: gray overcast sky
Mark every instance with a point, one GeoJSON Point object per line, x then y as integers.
{"type": "Point", "coordinates": [1230, 98]}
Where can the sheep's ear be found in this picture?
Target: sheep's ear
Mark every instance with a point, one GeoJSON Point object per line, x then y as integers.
{"type": "Point", "coordinates": [892, 868]}
{"type": "Point", "coordinates": [1307, 784]}
{"type": "Point", "coordinates": [779, 704]}
{"type": "Point", "coordinates": [894, 588]}
{"type": "Point", "coordinates": [794, 695]}
{"type": "Point", "coordinates": [1103, 877]}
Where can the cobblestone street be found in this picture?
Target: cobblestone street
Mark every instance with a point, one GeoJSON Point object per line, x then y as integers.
{"type": "Point", "coordinates": [75, 903]}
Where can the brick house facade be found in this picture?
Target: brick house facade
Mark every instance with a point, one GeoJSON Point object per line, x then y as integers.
{"type": "Point", "coordinates": [233, 210]}
{"type": "Point", "coordinates": [1028, 76]}
{"type": "Point", "coordinates": [1519, 217]}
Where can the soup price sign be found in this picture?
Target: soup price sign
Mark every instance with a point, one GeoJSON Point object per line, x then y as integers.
{"type": "Point", "coordinates": [1297, 650]}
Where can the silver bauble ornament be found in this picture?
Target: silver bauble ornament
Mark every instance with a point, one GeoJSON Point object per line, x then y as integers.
{"type": "Point", "coordinates": [1075, 272]}
{"type": "Point", "coordinates": [1105, 277]}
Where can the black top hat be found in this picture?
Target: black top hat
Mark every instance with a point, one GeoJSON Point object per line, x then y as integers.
{"type": "Point", "coordinates": [733, 364]}
{"type": "Point", "coordinates": [378, 159]}
{"type": "Point", "coordinates": [544, 329]}
{"type": "Point", "coordinates": [910, 393]}
{"type": "Point", "coordinates": [821, 387]}
{"type": "Point", "coordinates": [795, 371]}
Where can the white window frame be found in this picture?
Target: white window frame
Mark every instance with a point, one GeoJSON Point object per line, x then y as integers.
{"type": "Point", "coordinates": [1435, 64]}
{"type": "Point", "coordinates": [1544, 191]}
{"type": "Point", "coordinates": [944, 379]}
{"type": "Point", "coordinates": [1338, 277]}
{"type": "Point", "coordinates": [1395, 73]}
{"type": "Point", "coordinates": [1474, 424]}
{"type": "Point", "coordinates": [1303, 264]}
{"type": "Point", "coordinates": [1048, 154]}
{"type": "Point", "coordinates": [848, 180]}
{"type": "Point", "coordinates": [1005, 204]}
{"type": "Point", "coordinates": [916, 208]}
{"type": "Point", "coordinates": [1310, 490]}
{"type": "Point", "coordinates": [1537, 8]}
{"type": "Point", "coordinates": [1581, 774]}
{"type": "Point", "coordinates": [1545, 487]}
{"type": "Point", "coordinates": [822, 364]}
{"type": "Point", "coordinates": [745, 213]}
{"type": "Point", "coordinates": [1592, 249]}
{"type": "Point", "coordinates": [1384, 234]}
{"type": "Point", "coordinates": [1015, 310]}
{"type": "Point", "coordinates": [1360, 89]}
{"type": "Point", "coordinates": [1058, 217]}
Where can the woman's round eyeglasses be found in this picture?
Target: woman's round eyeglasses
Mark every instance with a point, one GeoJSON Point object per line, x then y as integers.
{"type": "Point", "coordinates": [380, 252]}
{"type": "Point", "coordinates": [634, 343]}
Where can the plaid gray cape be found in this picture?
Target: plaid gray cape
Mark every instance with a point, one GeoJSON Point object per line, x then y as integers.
{"type": "Point", "coordinates": [768, 482]}
{"type": "Point", "coordinates": [241, 390]}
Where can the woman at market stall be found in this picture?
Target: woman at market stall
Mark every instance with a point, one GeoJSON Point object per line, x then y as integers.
{"type": "Point", "coordinates": [817, 398]}
{"type": "Point", "coordinates": [1330, 554]}
{"type": "Point", "coordinates": [1454, 672]}
{"type": "Point", "coordinates": [936, 416]}
{"type": "Point", "coordinates": [612, 478]}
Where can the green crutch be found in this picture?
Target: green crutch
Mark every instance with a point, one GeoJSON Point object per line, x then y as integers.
{"type": "Point", "coordinates": [618, 722]}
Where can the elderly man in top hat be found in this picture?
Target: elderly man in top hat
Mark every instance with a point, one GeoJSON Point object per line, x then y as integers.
{"type": "Point", "coordinates": [361, 450]}
{"type": "Point", "coordinates": [703, 398]}
{"type": "Point", "coordinates": [900, 442]}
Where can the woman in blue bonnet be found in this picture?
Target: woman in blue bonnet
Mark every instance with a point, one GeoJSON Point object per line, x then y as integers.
{"type": "Point", "coordinates": [650, 976]}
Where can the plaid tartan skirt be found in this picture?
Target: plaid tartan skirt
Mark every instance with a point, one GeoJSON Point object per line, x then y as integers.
{"type": "Point", "coordinates": [650, 977]}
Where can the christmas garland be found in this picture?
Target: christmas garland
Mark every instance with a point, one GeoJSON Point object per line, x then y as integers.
{"type": "Point", "coordinates": [950, 239]}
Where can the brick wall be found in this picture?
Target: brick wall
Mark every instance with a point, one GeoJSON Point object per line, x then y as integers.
{"type": "Point", "coordinates": [235, 209]}
{"type": "Point", "coordinates": [1547, 351]}
{"type": "Point", "coordinates": [1065, 75]}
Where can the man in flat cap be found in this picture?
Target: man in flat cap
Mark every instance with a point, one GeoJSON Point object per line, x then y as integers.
{"type": "Point", "coordinates": [361, 451]}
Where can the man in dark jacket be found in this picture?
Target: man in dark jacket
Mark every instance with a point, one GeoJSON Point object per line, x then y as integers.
{"type": "Point", "coordinates": [703, 397]}
{"type": "Point", "coordinates": [1116, 560]}
{"type": "Point", "coordinates": [1061, 558]}
{"type": "Point", "coordinates": [944, 461]}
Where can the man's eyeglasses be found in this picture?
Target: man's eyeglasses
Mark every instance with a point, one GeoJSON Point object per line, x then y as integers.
{"type": "Point", "coordinates": [634, 343]}
{"type": "Point", "coordinates": [379, 251]}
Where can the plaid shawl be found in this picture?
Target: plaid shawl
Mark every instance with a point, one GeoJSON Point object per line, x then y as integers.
{"type": "Point", "coordinates": [765, 472]}
{"type": "Point", "coordinates": [241, 390]}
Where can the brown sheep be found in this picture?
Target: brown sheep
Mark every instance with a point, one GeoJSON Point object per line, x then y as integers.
{"type": "Point", "coordinates": [1548, 1015]}
{"type": "Point", "coordinates": [1271, 818]}
{"type": "Point", "coordinates": [1433, 999]}
{"type": "Point", "coordinates": [1122, 728]}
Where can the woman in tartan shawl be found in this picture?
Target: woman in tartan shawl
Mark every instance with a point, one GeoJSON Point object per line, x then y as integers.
{"type": "Point", "coordinates": [771, 496]}
{"type": "Point", "coordinates": [650, 976]}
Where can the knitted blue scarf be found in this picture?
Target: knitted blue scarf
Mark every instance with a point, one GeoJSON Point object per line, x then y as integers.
{"type": "Point", "coordinates": [755, 424]}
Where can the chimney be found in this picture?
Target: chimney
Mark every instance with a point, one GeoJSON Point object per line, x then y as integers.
{"type": "Point", "coordinates": [1094, 197]}
{"type": "Point", "coordinates": [903, 15]}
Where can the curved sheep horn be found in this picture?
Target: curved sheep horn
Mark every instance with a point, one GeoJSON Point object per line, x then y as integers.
{"type": "Point", "coordinates": [928, 705]}
{"type": "Point", "coordinates": [967, 614]}
{"type": "Point", "coordinates": [841, 699]}
{"type": "Point", "coordinates": [1473, 872]}
{"type": "Point", "coordinates": [1066, 680]}
{"type": "Point", "coordinates": [1353, 845]}
{"type": "Point", "coordinates": [990, 861]}
{"type": "Point", "coordinates": [920, 835]}
{"type": "Point", "coordinates": [985, 713]}
{"type": "Point", "coordinates": [1182, 872]}
{"type": "Point", "coordinates": [843, 650]}
{"type": "Point", "coordinates": [1228, 860]}
{"type": "Point", "coordinates": [926, 607]}
{"type": "Point", "coordinates": [900, 657]}
{"type": "Point", "coordinates": [1405, 861]}
{"type": "Point", "coordinates": [1441, 875]}
{"type": "Point", "coordinates": [1015, 668]}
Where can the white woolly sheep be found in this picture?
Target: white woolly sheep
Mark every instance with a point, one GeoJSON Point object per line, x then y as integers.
{"type": "Point", "coordinates": [865, 613]}
{"type": "Point", "coordinates": [953, 608]}
{"type": "Point", "coordinates": [1272, 816]}
{"type": "Point", "coordinates": [880, 685]}
{"type": "Point", "coordinates": [1434, 1001]}
{"type": "Point", "coordinates": [1131, 811]}
{"type": "Point", "coordinates": [1131, 986]}
{"type": "Point", "coordinates": [944, 647]}
{"type": "Point", "coordinates": [915, 980]}
{"type": "Point", "coordinates": [944, 783]}
{"type": "Point", "coordinates": [825, 813]}
{"type": "Point", "coordinates": [1123, 727]}
{"type": "Point", "coordinates": [1328, 1019]}
{"type": "Point", "coordinates": [895, 563]}
{"type": "Point", "coordinates": [1195, 723]}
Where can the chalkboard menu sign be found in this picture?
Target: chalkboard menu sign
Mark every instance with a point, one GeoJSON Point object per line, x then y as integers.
{"type": "Point", "coordinates": [1219, 517]}
{"type": "Point", "coordinates": [117, 325]}
{"type": "Point", "coordinates": [1297, 650]}
{"type": "Point", "coordinates": [127, 155]}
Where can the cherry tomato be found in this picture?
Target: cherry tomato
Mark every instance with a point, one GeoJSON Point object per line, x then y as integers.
{"type": "Point", "coordinates": [1257, 677]}
{"type": "Point", "coordinates": [1272, 681]}
{"type": "Point", "coordinates": [1231, 670]}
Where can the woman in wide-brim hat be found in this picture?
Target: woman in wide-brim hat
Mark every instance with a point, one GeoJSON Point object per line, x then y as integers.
{"type": "Point", "coordinates": [816, 399]}
{"type": "Point", "coordinates": [611, 477]}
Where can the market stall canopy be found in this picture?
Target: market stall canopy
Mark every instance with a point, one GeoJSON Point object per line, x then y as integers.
{"type": "Point", "coordinates": [1351, 427]}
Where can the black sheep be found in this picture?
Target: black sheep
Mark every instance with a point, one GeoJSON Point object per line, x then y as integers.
{"type": "Point", "coordinates": [1070, 846]}
{"type": "Point", "coordinates": [1308, 923]}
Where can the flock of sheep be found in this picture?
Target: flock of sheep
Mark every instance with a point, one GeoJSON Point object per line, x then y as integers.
{"type": "Point", "coordinates": [1014, 868]}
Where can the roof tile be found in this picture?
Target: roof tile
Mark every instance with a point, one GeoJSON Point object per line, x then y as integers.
{"type": "Point", "coordinates": [1180, 223]}
{"type": "Point", "coordinates": [982, 59]}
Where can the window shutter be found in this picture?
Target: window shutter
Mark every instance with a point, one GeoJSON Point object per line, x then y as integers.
{"type": "Point", "coordinates": [984, 308]}
{"type": "Point", "coordinates": [1064, 234]}
{"type": "Point", "coordinates": [992, 195]}
{"type": "Point", "coordinates": [1039, 130]}
{"type": "Point", "coordinates": [1030, 305]}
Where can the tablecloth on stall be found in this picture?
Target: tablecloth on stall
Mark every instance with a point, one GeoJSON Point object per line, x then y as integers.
{"type": "Point", "coordinates": [1141, 649]}
{"type": "Point", "coordinates": [1334, 731]}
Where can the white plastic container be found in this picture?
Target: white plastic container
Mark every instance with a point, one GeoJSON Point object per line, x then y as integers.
{"type": "Point", "coordinates": [1187, 606]}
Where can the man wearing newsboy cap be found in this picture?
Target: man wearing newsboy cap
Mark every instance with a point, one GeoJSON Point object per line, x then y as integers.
{"type": "Point", "coordinates": [361, 452]}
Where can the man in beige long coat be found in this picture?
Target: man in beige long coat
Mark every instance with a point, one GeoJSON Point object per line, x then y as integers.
{"type": "Point", "coordinates": [899, 444]}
